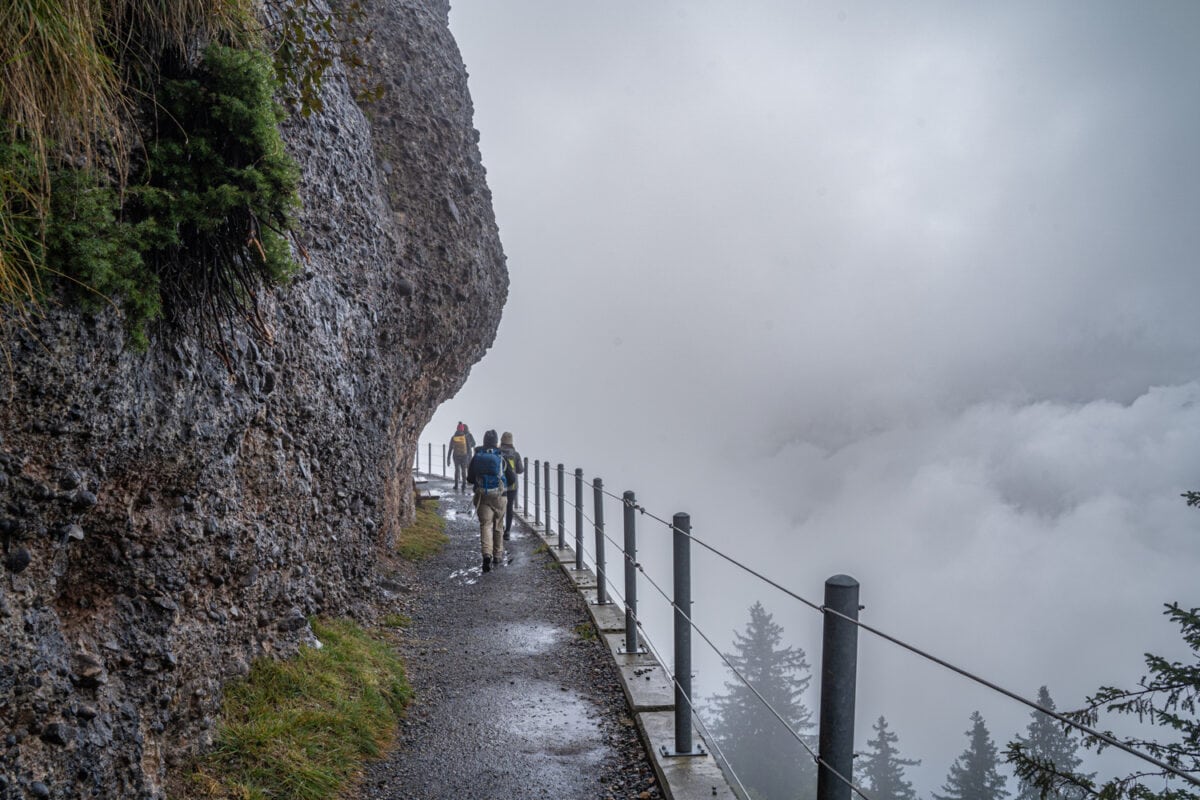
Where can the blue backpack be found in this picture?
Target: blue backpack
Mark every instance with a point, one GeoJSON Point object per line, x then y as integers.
{"type": "Point", "coordinates": [489, 470]}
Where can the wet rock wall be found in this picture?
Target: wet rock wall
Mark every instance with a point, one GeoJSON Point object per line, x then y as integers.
{"type": "Point", "coordinates": [165, 520]}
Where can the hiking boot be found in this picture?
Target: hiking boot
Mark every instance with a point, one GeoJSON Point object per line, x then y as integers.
{"type": "Point", "coordinates": [487, 563]}
{"type": "Point", "coordinates": [506, 536]}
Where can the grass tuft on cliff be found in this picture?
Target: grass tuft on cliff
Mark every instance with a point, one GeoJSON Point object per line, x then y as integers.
{"type": "Point", "coordinates": [301, 728]}
{"type": "Point", "coordinates": [426, 536]}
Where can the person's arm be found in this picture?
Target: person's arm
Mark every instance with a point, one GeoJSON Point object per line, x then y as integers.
{"type": "Point", "coordinates": [518, 462]}
{"type": "Point", "coordinates": [471, 472]}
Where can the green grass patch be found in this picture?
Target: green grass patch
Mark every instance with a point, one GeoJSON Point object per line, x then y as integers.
{"type": "Point", "coordinates": [585, 631]}
{"type": "Point", "coordinates": [301, 728]}
{"type": "Point", "coordinates": [397, 621]}
{"type": "Point", "coordinates": [426, 536]}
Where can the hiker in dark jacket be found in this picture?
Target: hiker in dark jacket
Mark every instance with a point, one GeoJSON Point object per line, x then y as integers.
{"type": "Point", "coordinates": [513, 459]}
{"type": "Point", "coordinates": [491, 477]}
{"type": "Point", "coordinates": [462, 446]}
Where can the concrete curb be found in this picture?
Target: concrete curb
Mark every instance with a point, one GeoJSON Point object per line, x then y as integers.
{"type": "Point", "coordinates": [648, 689]}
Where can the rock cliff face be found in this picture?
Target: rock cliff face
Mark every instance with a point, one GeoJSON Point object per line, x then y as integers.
{"type": "Point", "coordinates": [165, 521]}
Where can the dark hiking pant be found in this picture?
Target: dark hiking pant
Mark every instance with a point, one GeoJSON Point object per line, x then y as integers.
{"type": "Point", "coordinates": [508, 514]}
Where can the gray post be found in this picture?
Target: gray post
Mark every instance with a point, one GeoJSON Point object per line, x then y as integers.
{"type": "Point", "coordinates": [839, 663]}
{"type": "Point", "coordinates": [443, 461]}
{"type": "Point", "coordinates": [537, 491]}
{"type": "Point", "coordinates": [562, 540]}
{"type": "Point", "coordinates": [546, 468]}
{"type": "Point", "coordinates": [525, 483]}
{"type": "Point", "coordinates": [598, 505]}
{"type": "Point", "coordinates": [683, 633]}
{"type": "Point", "coordinates": [578, 519]}
{"type": "Point", "coordinates": [631, 634]}
{"type": "Point", "coordinates": [430, 459]}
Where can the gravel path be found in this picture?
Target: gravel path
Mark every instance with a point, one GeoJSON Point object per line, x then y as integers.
{"type": "Point", "coordinates": [515, 696]}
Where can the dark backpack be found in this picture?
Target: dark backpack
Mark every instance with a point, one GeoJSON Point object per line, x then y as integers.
{"type": "Point", "coordinates": [489, 470]}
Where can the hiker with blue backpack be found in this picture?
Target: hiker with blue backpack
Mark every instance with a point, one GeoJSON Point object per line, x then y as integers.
{"type": "Point", "coordinates": [491, 476]}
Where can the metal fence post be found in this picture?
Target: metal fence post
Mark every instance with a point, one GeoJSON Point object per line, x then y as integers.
{"type": "Point", "coordinates": [562, 541]}
{"type": "Point", "coordinates": [598, 516]}
{"type": "Point", "coordinates": [430, 459]}
{"type": "Point", "coordinates": [537, 491]}
{"type": "Point", "coordinates": [682, 559]}
{"type": "Point", "coordinates": [546, 469]}
{"type": "Point", "coordinates": [443, 461]}
{"type": "Point", "coordinates": [525, 502]}
{"type": "Point", "coordinates": [631, 634]}
{"type": "Point", "coordinates": [578, 519]}
{"type": "Point", "coordinates": [839, 664]}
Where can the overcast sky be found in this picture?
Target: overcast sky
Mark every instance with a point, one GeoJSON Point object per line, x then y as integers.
{"type": "Point", "coordinates": [906, 291]}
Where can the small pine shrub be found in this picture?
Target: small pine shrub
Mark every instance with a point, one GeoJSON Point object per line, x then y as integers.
{"type": "Point", "coordinates": [201, 226]}
{"type": "Point", "coordinates": [221, 190]}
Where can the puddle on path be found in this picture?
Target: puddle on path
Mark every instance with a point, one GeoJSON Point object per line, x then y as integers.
{"type": "Point", "coordinates": [531, 638]}
{"type": "Point", "coordinates": [543, 720]}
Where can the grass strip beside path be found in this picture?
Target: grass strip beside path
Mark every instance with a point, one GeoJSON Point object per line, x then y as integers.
{"type": "Point", "coordinates": [301, 728]}
{"type": "Point", "coordinates": [426, 536]}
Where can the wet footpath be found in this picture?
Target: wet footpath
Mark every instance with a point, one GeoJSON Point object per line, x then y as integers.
{"type": "Point", "coordinates": [515, 695]}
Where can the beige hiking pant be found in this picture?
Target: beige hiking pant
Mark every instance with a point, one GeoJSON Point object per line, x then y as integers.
{"type": "Point", "coordinates": [491, 523]}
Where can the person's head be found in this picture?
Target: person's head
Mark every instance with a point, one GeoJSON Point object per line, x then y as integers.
{"type": "Point", "coordinates": [489, 439]}
{"type": "Point", "coordinates": [506, 439]}
{"type": "Point", "coordinates": [461, 427]}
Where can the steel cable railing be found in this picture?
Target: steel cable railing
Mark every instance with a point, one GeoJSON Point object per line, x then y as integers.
{"type": "Point", "coordinates": [828, 612]}
{"type": "Point", "coordinates": [674, 680]}
{"type": "Point", "coordinates": [749, 684]}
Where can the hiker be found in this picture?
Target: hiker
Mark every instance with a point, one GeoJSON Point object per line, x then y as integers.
{"type": "Point", "coordinates": [513, 459]}
{"type": "Point", "coordinates": [491, 477]}
{"type": "Point", "coordinates": [462, 445]}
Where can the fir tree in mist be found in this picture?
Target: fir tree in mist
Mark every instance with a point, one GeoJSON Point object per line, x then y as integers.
{"type": "Point", "coordinates": [1166, 697]}
{"type": "Point", "coordinates": [766, 757]}
{"type": "Point", "coordinates": [1047, 742]}
{"type": "Point", "coordinates": [973, 775]}
{"type": "Point", "coordinates": [881, 769]}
